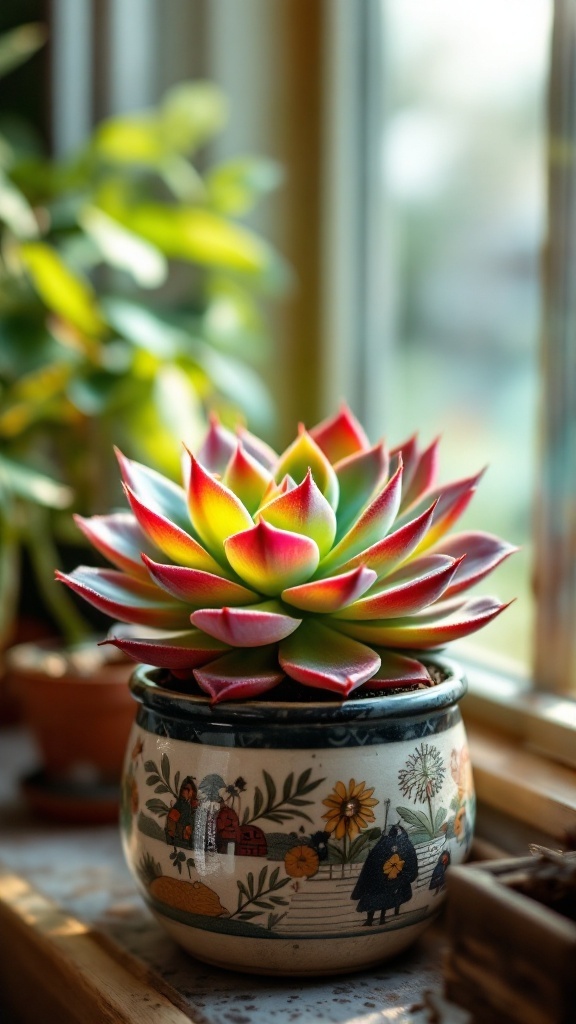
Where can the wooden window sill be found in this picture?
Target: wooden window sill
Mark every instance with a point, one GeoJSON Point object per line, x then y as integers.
{"type": "Point", "coordinates": [523, 784]}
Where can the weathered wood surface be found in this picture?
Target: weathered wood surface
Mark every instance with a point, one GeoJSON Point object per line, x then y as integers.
{"type": "Point", "coordinates": [112, 953]}
{"type": "Point", "coordinates": [510, 959]}
{"type": "Point", "coordinates": [54, 967]}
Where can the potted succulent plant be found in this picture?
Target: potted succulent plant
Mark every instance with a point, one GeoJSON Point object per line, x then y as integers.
{"type": "Point", "coordinates": [297, 781]}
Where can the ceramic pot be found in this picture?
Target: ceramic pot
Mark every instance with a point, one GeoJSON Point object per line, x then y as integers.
{"type": "Point", "coordinates": [77, 705]}
{"type": "Point", "coordinates": [296, 838]}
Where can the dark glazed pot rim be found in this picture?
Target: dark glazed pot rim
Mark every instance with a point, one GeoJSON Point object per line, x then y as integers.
{"type": "Point", "coordinates": [147, 690]}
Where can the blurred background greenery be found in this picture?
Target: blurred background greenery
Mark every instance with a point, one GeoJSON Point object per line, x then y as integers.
{"type": "Point", "coordinates": [130, 303]}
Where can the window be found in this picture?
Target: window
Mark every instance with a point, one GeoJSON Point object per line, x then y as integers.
{"type": "Point", "coordinates": [414, 214]}
{"type": "Point", "coordinates": [463, 168]}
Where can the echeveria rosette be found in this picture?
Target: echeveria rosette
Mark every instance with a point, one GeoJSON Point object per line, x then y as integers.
{"type": "Point", "coordinates": [323, 564]}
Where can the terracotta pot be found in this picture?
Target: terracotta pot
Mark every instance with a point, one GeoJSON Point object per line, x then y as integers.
{"type": "Point", "coordinates": [78, 706]}
{"type": "Point", "coordinates": [296, 838]}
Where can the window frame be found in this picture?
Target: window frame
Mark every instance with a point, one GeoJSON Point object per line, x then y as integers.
{"type": "Point", "coordinates": [337, 318]}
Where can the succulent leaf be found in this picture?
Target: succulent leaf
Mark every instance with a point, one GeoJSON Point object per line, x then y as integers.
{"type": "Point", "coordinates": [155, 490]}
{"type": "Point", "coordinates": [197, 588]}
{"type": "Point", "coordinates": [451, 500]}
{"type": "Point", "coordinates": [303, 509]}
{"type": "Point", "coordinates": [241, 674]}
{"type": "Point", "coordinates": [176, 651]}
{"type": "Point", "coordinates": [269, 559]}
{"type": "Point", "coordinates": [483, 552]}
{"type": "Point", "coordinates": [359, 475]}
{"type": "Point", "coordinates": [215, 510]}
{"type": "Point", "coordinates": [397, 670]}
{"type": "Point", "coordinates": [125, 598]}
{"type": "Point", "coordinates": [423, 475]}
{"type": "Point", "coordinates": [340, 436]}
{"type": "Point", "coordinates": [421, 632]}
{"type": "Point", "coordinates": [255, 626]}
{"type": "Point", "coordinates": [331, 594]}
{"type": "Point", "coordinates": [405, 596]}
{"type": "Point", "coordinates": [303, 455]}
{"type": "Point", "coordinates": [247, 478]}
{"type": "Point", "coordinates": [119, 538]}
{"type": "Point", "coordinates": [217, 448]}
{"type": "Point", "coordinates": [316, 655]}
{"type": "Point", "coordinates": [373, 523]}
{"type": "Point", "coordinates": [259, 450]}
{"type": "Point", "coordinates": [387, 553]}
{"type": "Point", "coordinates": [171, 539]}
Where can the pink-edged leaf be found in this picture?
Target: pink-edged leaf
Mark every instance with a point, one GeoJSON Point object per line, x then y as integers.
{"type": "Point", "coordinates": [256, 626]}
{"type": "Point", "coordinates": [304, 454]}
{"type": "Point", "coordinates": [247, 478]}
{"type": "Point", "coordinates": [241, 675]}
{"type": "Point", "coordinates": [303, 509]}
{"type": "Point", "coordinates": [269, 560]}
{"type": "Point", "coordinates": [259, 450]}
{"type": "Point", "coordinates": [177, 652]}
{"type": "Point", "coordinates": [423, 475]}
{"type": "Point", "coordinates": [340, 436]}
{"type": "Point", "coordinates": [408, 454]}
{"type": "Point", "coordinates": [171, 539]}
{"type": "Point", "coordinates": [197, 588]}
{"type": "Point", "coordinates": [275, 490]}
{"type": "Point", "coordinates": [423, 631]}
{"type": "Point", "coordinates": [451, 502]}
{"type": "Point", "coordinates": [316, 655]}
{"type": "Point", "coordinates": [125, 598]}
{"type": "Point", "coordinates": [386, 554]}
{"type": "Point", "coordinates": [397, 670]}
{"type": "Point", "coordinates": [483, 553]}
{"type": "Point", "coordinates": [329, 595]}
{"type": "Point", "coordinates": [218, 446]}
{"type": "Point", "coordinates": [215, 511]}
{"type": "Point", "coordinates": [371, 526]}
{"type": "Point", "coordinates": [119, 538]}
{"type": "Point", "coordinates": [359, 476]}
{"type": "Point", "coordinates": [155, 491]}
{"type": "Point", "coordinates": [407, 595]}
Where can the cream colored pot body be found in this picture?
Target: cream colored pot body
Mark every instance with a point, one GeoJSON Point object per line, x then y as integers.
{"type": "Point", "coordinates": [296, 839]}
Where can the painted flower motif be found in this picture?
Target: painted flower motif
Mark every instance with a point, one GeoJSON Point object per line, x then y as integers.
{"type": "Point", "coordinates": [393, 866]}
{"type": "Point", "coordinates": [423, 775]}
{"type": "Point", "coordinates": [326, 564]}
{"type": "Point", "coordinates": [349, 809]}
{"type": "Point", "coordinates": [459, 822]}
{"type": "Point", "coordinates": [301, 862]}
{"type": "Point", "coordinates": [461, 771]}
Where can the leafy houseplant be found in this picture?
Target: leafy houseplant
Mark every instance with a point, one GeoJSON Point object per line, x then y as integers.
{"type": "Point", "coordinates": [126, 279]}
{"type": "Point", "coordinates": [300, 698]}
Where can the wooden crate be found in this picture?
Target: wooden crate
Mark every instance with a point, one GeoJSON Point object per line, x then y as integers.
{"type": "Point", "coordinates": [511, 958]}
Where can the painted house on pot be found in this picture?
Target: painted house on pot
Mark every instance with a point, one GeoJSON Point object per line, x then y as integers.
{"type": "Point", "coordinates": [242, 840]}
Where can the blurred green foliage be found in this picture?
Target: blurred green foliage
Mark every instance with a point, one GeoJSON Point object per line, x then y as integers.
{"type": "Point", "coordinates": [130, 302]}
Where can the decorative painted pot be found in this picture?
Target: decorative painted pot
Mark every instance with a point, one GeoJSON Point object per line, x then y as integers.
{"type": "Point", "coordinates": [296, 838]}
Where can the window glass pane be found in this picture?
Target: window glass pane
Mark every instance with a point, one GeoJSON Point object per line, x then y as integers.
{"type": "Point", "coordinates": [464, 172]}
